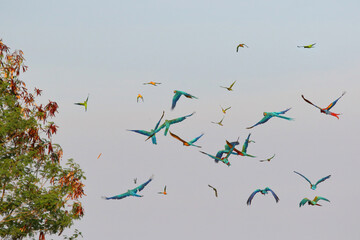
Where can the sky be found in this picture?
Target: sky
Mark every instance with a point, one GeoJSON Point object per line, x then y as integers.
{"type": "Point", "coordinates": [108, 49]}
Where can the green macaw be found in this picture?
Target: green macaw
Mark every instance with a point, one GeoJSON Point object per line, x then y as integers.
{"type": "Point", "coordinates": [185, 143]}
{"type": "Point", "coordinates": [84, 103]}
{"type": "Point", "coordinates": [177, 95]}
{"type": "Point", "coordinates": [312, 202]}
{"type": "Point", "coordinates": [168, 123]}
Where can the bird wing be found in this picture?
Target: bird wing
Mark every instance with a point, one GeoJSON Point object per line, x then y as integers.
{"type": "Point", "coordinates": [310, 102]}
{"type": "Point", "coordinates": [165, 188]}
{"type": "Point", "coordinates": [227, 109]}
{"type": "Point", "coordinates": [143, 132]}
{"type": "Point", "coordinates": [263, 120]}
{"type": "Point", "coordinates": [275, 196]}
{"type": "Point", "coordinates": [175, 99]}
{"type": "Point", "coordinates": [177, 137]}
{"type": "Point", "coordinates": [268, 159]}
{"type": "Point", "coordinates": [283, 112]}
{"type": "Point", "coordinates": [157, 125]}
{"type": "Point", "coordinates": [82, 104]}
{"type": "Point", "coordinates": [195, 139]}
{"type": "Point", "coordinates": [189, 95]}
{"type": "Point", "coordinates": [303, 202]}
{"type": "Point", "coordinates": [213, 189]}
{"type": "Point", "coordinates": [252, 196]}
{"type": "Point", "coordinates": [246, 143]}
{"type": "Point", "coordinates": [213, 157]}
{"type": "Point", "coordinates": [120, 196]}
{"type": "Point", "coordinates": [317, 198]}
{"type": "Point", "coordinates": [334, 102]}
{"type": "Point", "coordinates": [237, 48]}
{"type": "Point", "coordinates": [232, 84]}
{"type": "Point", "coordinates": [323, 179]}
{"type": "Point", "coordinates": [303, 177]}
{"type": "Point", "coordinates": [142, 186]}
{"type": "Point", "coordinates": [180, 119]}
{"type": "Point", "coordinates": [311, 45]}
{"type": "Point", "coordinates": [283, 117]}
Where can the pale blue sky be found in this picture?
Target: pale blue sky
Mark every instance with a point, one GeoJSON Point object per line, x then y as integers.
{"type": "Point", "coordinates": [108, 49]}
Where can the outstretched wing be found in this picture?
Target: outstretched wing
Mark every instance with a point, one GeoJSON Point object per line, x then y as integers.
{"type": "Point", "coordinates": [246, 144]}
{"type": "Point", "coordinates": [303, 202]}
{"type": "Point", "coordinates": [175, 99]}
{"type": "Point", "coordinates": [252, 196]}
{"type": "Point", "coordinates": [189, 95]}
{"type": "Point", "coordinates": [283, 112]}
{"type": "Point", "coordinates": [237, 48]}
{"type": "Point", "coordinates": [213, 157]}
{"type": "Point", "coordinates": [157, 125]}
{"type": "Point", "coordinates": [263, 120]}
{"type": "Point", "coordinates": [177, 137]}
{"type": "Point", "coordinates": [275, 196]}
{"type": "Point", "coordinates": [317, 198]}
{"type": "Point", "coordinates": [195, 139]}
{"type": "Point", "coordinates": [323, 179]}
{"type": "Point", "coordinates": [310, 102]}
{"type": "Point", "coordinates": [283, 117]}
{"type": "Point", "coordinates": [142, 186]}
{"type": "Point", "coordinates": [180, 119]}
{"type": "Point", "coordinates": [232, 84]}
{"type": "Point", "coordinates": [118, 196]}
{"type": "Point", "coordinates": [334, 102]}
{"type": "Point", "coordinates": [143, 132]}
{"type": "Point", "coordinates": [303, 177]}
{"type": "Point", "coordinates": [82, 104]}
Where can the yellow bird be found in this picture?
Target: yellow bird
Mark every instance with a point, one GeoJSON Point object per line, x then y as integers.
{"type": "Point", "coordinates": [152, 83]}
{"type": "Point", "coordinates": [139, 97]}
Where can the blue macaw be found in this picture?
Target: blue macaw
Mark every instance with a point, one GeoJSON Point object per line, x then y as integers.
{"type": "Point", "coordinates": [131, 192]}
{"type": "Point", "coordinates": [327, 109]}
{"type": "Point", "coordinates": [84, 103]}
{"type": "Point", "coordinates": [189, 143]}
{"type": "Point", "coordinates": [312, 202]}
{"type": "Point", "coordinates": [225, 160]}
{"type": "Point", "coordinates": [246, 143]}
{"type": "Point", "coordinates": [262, 191]}
{"type": "Point", "coordinates": [178, 95]}
{"type": "Point", "coordinates": [268, 115]}
{"type": "Point", "coordinates": [167, 123]}
{"type": "Point", "coordinates": [313, 186]}
{"type": "Point", "coordinates": [152, 132]}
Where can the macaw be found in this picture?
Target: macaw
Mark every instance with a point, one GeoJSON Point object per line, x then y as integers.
{"type": "Point", "coordinates": [84, 103]}
{"type": "Point", "coordinates": [178, 95]}
{"type": "Point", "coordinates": [307, 46]}
{"type": "Point", "coordinates": [268, 159]}
{"type": "Point", "coordinates": [313, 186]}
{"type": "Point", "coordinates": [262, 191]}
{"type": "Point", "coordinates": [228, 149]}
{"type": "Point", "coordinates": [241, 45]}
{"type": "Point", "coordinates": [163, 192]}
{"type": "Point", "coordinates": [268, 115]}
{"type": "Point", "coordinates": [224, 110]}
{"type": "Point", "coordinates": [237, 152]}
{"type": "Point", "coordinates": [225, 160]}
{"type": "Point", "coordinates": [185, 143]}
{"type": "Point", "coordinates": [168, 123]}
{"type": "Point", "coordinates": [312, 202]}
{"type": "Point", "coordinates": [246, 143]}
{"type": "Point", "coordinates": [229, 88]}
{"type": "Point", "coordinates": [131, 192]}
{"type": "Point", "coordinates": [326, 110]}
{"type": "Point", "coordinates": [216, 194]}
{"type": "Point", "coordinates": [139, 97]}
{"type": "Point", "coordinates": [219, 123]}
{"type": "Point", "coordinates": [152, 83]}
{"type": "Point", "coordinates": [152, 132]}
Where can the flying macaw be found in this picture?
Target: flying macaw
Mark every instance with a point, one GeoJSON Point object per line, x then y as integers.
{"type": "Point", "coordinates": [139, 97]}
{"type": "Point", "coordinates": [224, 110]}
{"type": "Point", "coordinates": [268, 115]}
{"type": "Point", "coordinates": [225, 160]}
{"type": "Point", "coordinates": [237, 152]}
{"type": "Point", "coordinates": [326, 110]}
{"type": "Point", "coordinates": [152, 83]}
{"type": "Point", "coordinates": [178, 95]}
{"type": "Point", "coordinates": [152, 132]}
{"type": "Point", "coordinates": [168, 123]}
{"type": "Point", "coordinates": [241, 45]}
{"type": "Point", "coordinates": [131, 192]}
{"type": "Point", "coordinates": [246, 143]}
{"type": "Point", "coordinates": [163, 192]}
{"type": "Point", "coordinates": [216, 193]}
{"type": "Point", "coordinates": [219, 123]}
{"type": "Point", "coordinates": [312, 202]}
{"type": "Point", "coordinates": [84, 103]}
{"type": "Point", "coordinates": [268, 159]}
{"type": "Point", "coordinates": [229, 88]}
{"type": "Point", "coordinates": [313, 186]}
{"type": "Point", "coordinates": [262, 191]}
{"type": "Point", "coordinates": [185, 143]}
{"type": "Point", "coordinates": [307, 46]}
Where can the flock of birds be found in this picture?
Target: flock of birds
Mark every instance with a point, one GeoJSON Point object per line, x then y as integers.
{"type": "Point", "coordinates": [229, 148]}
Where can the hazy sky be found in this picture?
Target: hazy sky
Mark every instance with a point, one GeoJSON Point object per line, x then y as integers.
{"type": "Point", "coordinates": [109, 48]}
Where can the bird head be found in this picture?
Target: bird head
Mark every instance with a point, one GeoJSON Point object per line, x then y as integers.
{"type": "Point", "coordinates": [175, 91]}
{"type": "Point", "coordinates": [264, 113]}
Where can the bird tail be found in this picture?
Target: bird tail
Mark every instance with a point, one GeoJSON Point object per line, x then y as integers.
{"type": "Point", "coordinates": [335, 115]}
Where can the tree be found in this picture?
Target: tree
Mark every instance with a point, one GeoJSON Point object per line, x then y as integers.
{"type": "Point", "coordinates": [39, 195]}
